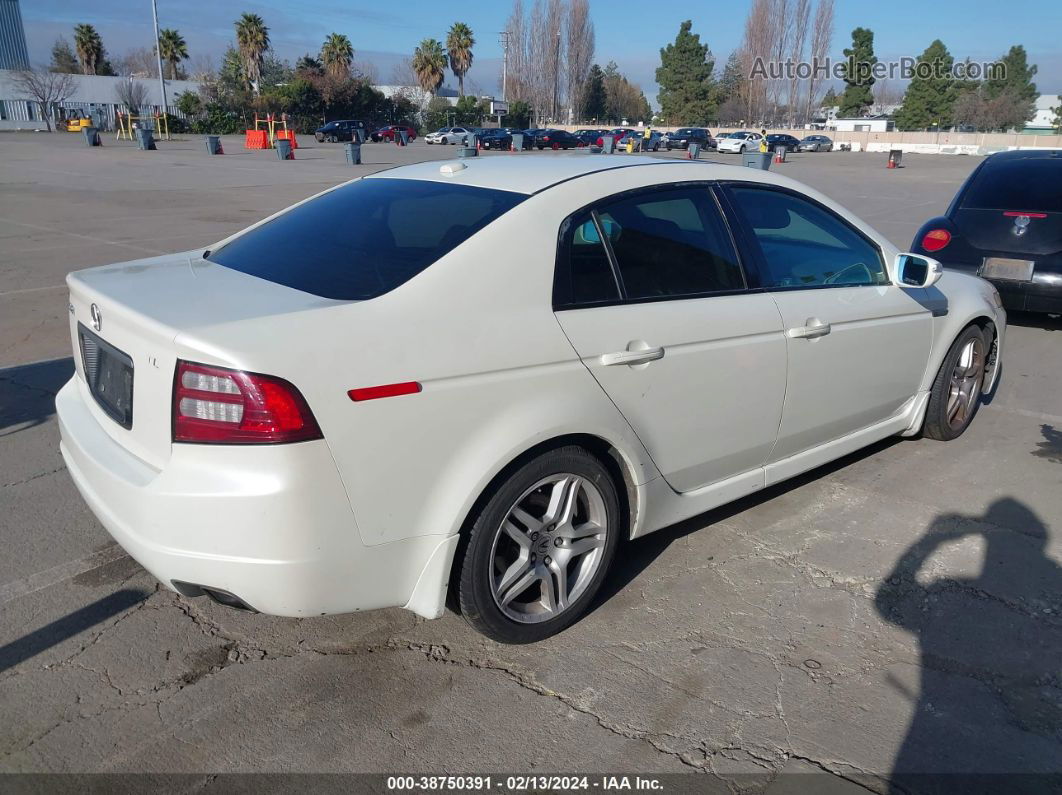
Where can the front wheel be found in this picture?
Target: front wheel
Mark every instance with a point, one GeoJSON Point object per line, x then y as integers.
{"type": "Point", "coordinates": [540, 547]}
{"type": "Point", "coordinates": [956, 392]}
{"type": "Point", "coordinates": [741, 151]}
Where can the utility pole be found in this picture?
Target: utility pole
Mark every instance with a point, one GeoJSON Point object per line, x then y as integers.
{"type": "Point", "coordinates": [505, 63]}
{"type": "Point", "coordinates": [556, 78]}
{"type": "Point", "coordinates": [158, 55]}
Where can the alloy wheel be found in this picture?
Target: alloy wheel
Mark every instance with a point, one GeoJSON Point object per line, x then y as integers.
{"type": "Point", "coordinates": [548, 549]}
{"type": "Point", "coordinates": [965, 385]}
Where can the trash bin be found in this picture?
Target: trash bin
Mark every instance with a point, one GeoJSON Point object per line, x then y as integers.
{"type": "Point", "coordinates": [694, 151]}
{"type": "Point", "coordinates": [213, 145]}
{"type": "Point", "coordinates": [895, 156]}
{"type": "Point", "coordinates": [518, 142]}
{"type": "Point", "coordinates": [472, 141]}
{"type": "Point", "coordinates": [779, 154]}
{"type": "Point", "coordinates": [284, 152]}
{"type": "Point", "coordinates": [403, 138]}
{"type": "Point", "coordinates": [144, 139]}
{"type": "Point", "coordinates": [92, 136]}
{"type": "Point", "coordinates": [608, 144]}
{"type": "Point", "coordinates": [761, 160]}
{"type": "Point", "coordinates": [467, 151]}
{"type": "Point", "coordinates": [353, 150]}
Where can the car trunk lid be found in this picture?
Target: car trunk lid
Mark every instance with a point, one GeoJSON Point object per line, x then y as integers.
{"type": "Point", "coordinates": [1029, 233]}
{"type": "Point", "coordinates": [124, 324]}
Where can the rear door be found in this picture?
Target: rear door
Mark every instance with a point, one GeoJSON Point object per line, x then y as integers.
{"type": "Point", "coordinates": [857, 344]}
{"type": "Point", "coordinates": [653, 297]}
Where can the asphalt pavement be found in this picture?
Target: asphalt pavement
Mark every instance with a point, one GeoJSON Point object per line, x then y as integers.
{"type": "Point", "coordinates": [899, 610]}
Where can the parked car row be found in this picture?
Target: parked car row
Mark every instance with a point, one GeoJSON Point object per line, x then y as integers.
{"type": "Point", "coordinates": [347, 129]}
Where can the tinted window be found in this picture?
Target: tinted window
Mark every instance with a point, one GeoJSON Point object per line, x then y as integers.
{"type": "Point", "coordinates": [671, 242]}
{"type": "Point", "coordinates": [805, 245]}
{"type": "Point", "coordinates": [366, 238]}
{"type": "Point", "coordinates": [1029, 184]}
{"type": "Point", "coordinates": [584, 275]}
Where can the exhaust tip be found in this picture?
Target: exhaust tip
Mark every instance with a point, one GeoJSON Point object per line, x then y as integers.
{"type": "Point", "coordinates": [216, 595]}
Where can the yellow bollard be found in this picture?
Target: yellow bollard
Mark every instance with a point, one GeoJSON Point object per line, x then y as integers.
{"type": "Point", "coordinates": [630, 145]}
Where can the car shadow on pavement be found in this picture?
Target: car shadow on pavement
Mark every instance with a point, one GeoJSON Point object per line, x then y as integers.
{"type": "Point", "coordinates": [634, 557]}
{"type": "Point", "coordinates": [69, 625]}
{"type": "Point", "coordinates": [1035, 320]}
{"type": "Point", "coordinates": [990, 700]}
{"type": "Point", "coordinates": [27, 393]}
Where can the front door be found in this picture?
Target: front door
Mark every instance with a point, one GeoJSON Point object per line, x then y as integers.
{"type": "Point", "coordinates": [858, 345]}
{"type": "Point", "coordinates": [653, 298]}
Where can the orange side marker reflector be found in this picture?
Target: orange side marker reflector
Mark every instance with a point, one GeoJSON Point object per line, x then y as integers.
{"type": "Point", "coordinates": [385, 391]}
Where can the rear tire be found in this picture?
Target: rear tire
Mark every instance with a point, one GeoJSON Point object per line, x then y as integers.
{"type": "Point", "coordinates": [956, 392]}
{"type": "Point", "coordinates": [539, 548]}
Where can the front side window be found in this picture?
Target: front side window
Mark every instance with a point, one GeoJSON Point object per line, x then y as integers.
{"type": "Point", "coordinates": [671, 243]}
{"type": "Point", "coordinates": [364, 239]}
{"type": "Point", "coordinates": [805, 245]}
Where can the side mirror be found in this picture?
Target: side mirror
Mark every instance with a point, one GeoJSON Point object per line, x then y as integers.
{"type": "Point", "coordinates": [916, 271]}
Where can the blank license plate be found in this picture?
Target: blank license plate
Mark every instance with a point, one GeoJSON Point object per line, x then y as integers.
{"type": "Point", "coordinates": [1018, 270]}
{"type": "Point", "coordinates": [109, 373]}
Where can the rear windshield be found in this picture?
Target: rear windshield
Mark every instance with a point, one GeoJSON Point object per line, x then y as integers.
{"type": "Point", "coordinates": [1031, 184]}
{"type": "Point", "coordinates": [366, 238]}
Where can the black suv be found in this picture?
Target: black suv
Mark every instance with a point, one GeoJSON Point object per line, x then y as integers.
{"type": "Point", "coordinates": [681, 139]}
{"type": "Point", "coordinates": [340, 131]}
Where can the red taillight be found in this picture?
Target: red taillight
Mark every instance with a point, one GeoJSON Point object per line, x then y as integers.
{"type": "Point", "coordinates": [936, 239]}
{"type": "Point", "coordinates": [222, 406]}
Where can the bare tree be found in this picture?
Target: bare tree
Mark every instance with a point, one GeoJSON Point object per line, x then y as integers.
{"type": "Point", "coordinates": [403, 75]}
{"type": "Point", "coordinates": [132, 94]}
{"type": "Point", "coordinates": [45, 88]}
{"type": "Point", "coordinates": [539, 77]}
{"type": "Point", "coordinates": [885, 94]}
{"type": "Point", "coordinates": [518, 78]}
{"type": "Point", "coordinates": [579, 53]}
{"type": "Point", "coordinates": [821, 37]}
{"type": "Point", "coordinates": [757, 49]}
{"type": "Point", "coordinates": [801, 18]}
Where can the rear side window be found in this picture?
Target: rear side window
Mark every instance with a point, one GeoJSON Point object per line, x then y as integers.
{"type": "Point", "coordinates": [805, 245]}
{"type": "Point", "coordinates": [366, 238]}
{"type": "Point", "coordinates": [584, 275]}
{"type": "Point", "coordinates": [670, 243]}
{"type": "Point", "coordinates": [1031, 184]}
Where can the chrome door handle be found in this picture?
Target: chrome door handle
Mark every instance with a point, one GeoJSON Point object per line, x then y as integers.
{"type": "Point", "coordinates": [635, 354]}
{"type": "Point", "coordinates": [813, 328]}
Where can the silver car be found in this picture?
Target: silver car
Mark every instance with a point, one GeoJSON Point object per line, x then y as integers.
{"type": "Point", "coordinates": [816, 143]}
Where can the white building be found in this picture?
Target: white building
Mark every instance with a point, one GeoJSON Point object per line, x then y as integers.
{"type": "Point", "coordinates": [94, 95]}
{"type": "Point", "coordinates": [859, 125]}
{"type": "Point", "coordinates": [1044, 120]}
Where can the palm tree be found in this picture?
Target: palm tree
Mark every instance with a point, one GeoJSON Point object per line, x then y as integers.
{"type": "Point", "coordinates": [429, 64]}
{"type": "Point", "coordinates": [252, 39]}
{"type": "Point", "coordinates": [337, 54]}
{"type": "Point", "coordinates": [459, 42]}
{"type": "Point", "coordinates": [173, 49]}
{"type": "Point", "coordinates": [89, 47]}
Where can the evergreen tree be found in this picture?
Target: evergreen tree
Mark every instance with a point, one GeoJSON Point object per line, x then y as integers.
{"type": "Point", "coordinates": [63, 58]}
{"type": "Point", "coordinates": [595, 102]}
{"type": "Point", "coordinates": [831, 100]}
{"type": "Point", "coordinates": [685, 79]}
{"type": "Point", "coordinates": [733, 79]}
{"type": "Point", "coordinates": [932, 92]}
{"type": "Point", "coordinates": [1015, 83]}
{"type": "Point", "coordinates": [858, 79]}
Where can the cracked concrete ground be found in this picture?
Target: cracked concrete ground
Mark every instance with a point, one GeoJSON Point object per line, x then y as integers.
{"type": "Point", "coordinates": [897, 612]}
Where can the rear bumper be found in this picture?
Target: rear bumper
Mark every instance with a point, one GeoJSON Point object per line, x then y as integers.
{"type": "Point", "coordinates": [1042, 294]}
{"type": "Point", "coordinates": [271, 525]}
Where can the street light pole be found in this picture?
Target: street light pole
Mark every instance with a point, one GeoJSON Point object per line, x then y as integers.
{"type": "Point", "coordinates": [158, 54]}
{"type": "Point", "coordinates": [505, 63]}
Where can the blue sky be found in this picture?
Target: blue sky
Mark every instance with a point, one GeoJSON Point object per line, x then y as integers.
{"type": "Point", "coordinates": [631, 33]}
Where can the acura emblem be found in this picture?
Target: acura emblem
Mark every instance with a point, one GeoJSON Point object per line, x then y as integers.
{"type": "Point", "coordinates": [97, 317]}
{"type": "Point", "coordinates": [1021, 223]}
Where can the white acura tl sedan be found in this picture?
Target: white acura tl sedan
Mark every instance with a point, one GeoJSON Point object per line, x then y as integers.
{"type": "Point", "coordinates": [475, 378]}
